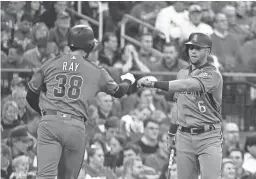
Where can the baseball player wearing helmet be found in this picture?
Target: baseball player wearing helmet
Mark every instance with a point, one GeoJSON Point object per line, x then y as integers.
{"type": "Point", "coordinates": [198, 94]}
{"type": "Point", "coordinates": [64, 86]}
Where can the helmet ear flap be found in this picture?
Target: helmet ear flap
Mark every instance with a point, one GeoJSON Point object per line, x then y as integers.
{"type": "Point", "coordinates": [90, 46]}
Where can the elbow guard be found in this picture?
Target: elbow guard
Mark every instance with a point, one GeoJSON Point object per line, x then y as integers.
{"type": "Point", "coordinates": [33, 100]}
{"type": "Point", "coordinates": [163, 85]}
{"type": "Point", "coordinates": [123, 89]}
{"type": "Point", "coordinates": [173, 129]}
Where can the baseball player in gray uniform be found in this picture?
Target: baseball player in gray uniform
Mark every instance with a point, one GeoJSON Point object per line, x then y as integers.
{"type": "Point", "coordinates": [198, 94]}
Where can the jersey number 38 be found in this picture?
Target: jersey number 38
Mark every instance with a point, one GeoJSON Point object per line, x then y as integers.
{"type": "Point", "coordinates": [70, 87]}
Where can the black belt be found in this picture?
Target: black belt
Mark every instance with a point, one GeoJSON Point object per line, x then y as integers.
{"type": "Point", "coordinates": [196, 131]}
{"type": "Point", "coordinates": [53, 112]}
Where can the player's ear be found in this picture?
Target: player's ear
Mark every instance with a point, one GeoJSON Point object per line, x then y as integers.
{"type": "Point", "coordinates": [208, 50]}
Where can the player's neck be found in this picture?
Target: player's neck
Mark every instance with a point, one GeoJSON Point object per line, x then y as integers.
{"type": "Point", "coordinates": [198, 65]}
{"type": "Point", "coordinates": [79, 52]}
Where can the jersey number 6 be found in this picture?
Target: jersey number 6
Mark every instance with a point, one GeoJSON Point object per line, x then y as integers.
{"type": "Point", "coordinates": [70, 87]}
{"type": "Point", "coordinates": [201, 106]}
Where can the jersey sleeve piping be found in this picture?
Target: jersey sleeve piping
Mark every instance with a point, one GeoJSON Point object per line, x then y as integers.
{"type": "Point", "coordinates": [31, 88]}
{"type": "Point", "coordinates": [201, 84]}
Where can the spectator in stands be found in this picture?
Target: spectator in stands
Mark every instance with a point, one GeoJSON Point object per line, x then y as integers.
{"type": "Point", "coordinates": [12, 14]}
{"type": "Point", "coordinates": [59, 33]}
{"type": "Point", "coordinates": [228, 169]}
{"type": "Point", "coordinates": [6, 40]}
{"type": "Point", "coordinates": [64, 48]}
{"type": "Point", "coordinates": [114, 158]}
{"type": "Point", "coordinates": [207, 12]}
{"type": "Point", "coordinates": [133, 122]}
{"type": "Point", "coordinates": [172, 61]}
{"type": "Point", "coordinates": [116, 12]}
{"type": "Point", "coordinates": [21, 166]}
{"type": "Point", "coordinates": [173, 171]}
{"type": "Point", "coordinates": [145, 97]}
{"type": "Point", "coordinates": [3, 56]}
{"type": "Point", "coordinates": [171, 20]}
{"type": "Point", "coordinates": [109, 54]}
{"type": "Point", "coordinates": [237, 155]}
{"type": "Point", "coordinates": [250, 154]}
{"type": "Point", "coordinates": [9, 117]}
{"type": "Point", "coordinates": [14, 59]}
{"type": "Point", "coordinates": [195, 23]}
{"type": "Point", "coordinates": [112, 127]}
{"type": "Point", "coordinates": [130, 60]}
{"type": "Point", "coordinates": [158, 160]}
{"type": "Point", "coordinates": [43, 49]}
{"type": "Point", "coordinates": [131, 151]}
{"type": "Point", "coordinates": [34, 57]}
{"type": "Point", "coordinates": [145, 55]}
{"type": "Point", "coordinates": [105, 106]}
{"type": "Point", "coordinates": [231, 138]}
{"type": "Point", "coordinates": [242, 15]}
{"type": "Point", "coordinates": [148, 142]}
{"type": "Point", "coordinates": [94, 166]}
{"type": "Point", "coordinates": [19, 141]}
{"type": "Point", "coordinates": [132, 168]}
{"type": "Point", "coordinates": [98, 142]}
{"type": "Point", "coordinates": [146, 11]}
{"type": "Point", "coordinates": [17, 83]}
{"type": "Point", "coordinates": [103, 130]}
{"type": "Point", "coordinates": [40, 32]}
{"type": "Point", "coordinates": [34, 10]}
{"type": "Point", "coordinates": [242, 34]}
{"type": "Point", "coordinates": [126, 62]}
{"type": "Point", "coordinates": [225, 46]}
{"type": "Point", "coordinates": [6, 159]}
{"type": "Point", "coordinates": [19, 96]}
{"type": "Point", "coordinates": [253, 9]}
{"type": "Point", "coordinates": [23, 33]}
{"type": "Point", "coordinates": [248, 52]}
{"type": "Point", "coordinates": [159, 116]}
{"type": "Point", "coordinates": [50, 15]}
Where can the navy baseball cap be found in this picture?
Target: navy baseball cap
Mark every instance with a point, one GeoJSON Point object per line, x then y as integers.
{"type": "Point", "coordinates": [200, 40]}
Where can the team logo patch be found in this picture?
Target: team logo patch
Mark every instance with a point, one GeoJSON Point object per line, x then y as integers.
{"type": "Point", "coordinates": [203, 75]}
{"type": "Point", "coordinates": [195, 38]}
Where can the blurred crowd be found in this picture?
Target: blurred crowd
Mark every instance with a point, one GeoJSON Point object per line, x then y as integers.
{"type": "Point", "coordinates": [126, 138]}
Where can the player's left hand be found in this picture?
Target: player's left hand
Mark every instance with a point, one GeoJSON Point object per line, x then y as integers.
{"type": "Point", "coordinates": [146, 82]}
{"type": "Point", "coordinates": [128, 76]}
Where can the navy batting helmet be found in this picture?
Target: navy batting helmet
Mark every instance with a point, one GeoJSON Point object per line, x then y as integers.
{"type": "Point", "coordinates": [200, 39]}
{"type": "Point", "coordinates": [81, 37]}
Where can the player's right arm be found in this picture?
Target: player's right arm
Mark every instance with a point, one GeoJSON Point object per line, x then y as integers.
{"type": "Point", "coordinates": [109, 86]}
{"type": "Point", "coordinates": [205, 82]}
{"type": "Point", "coordinates": [35, 86]}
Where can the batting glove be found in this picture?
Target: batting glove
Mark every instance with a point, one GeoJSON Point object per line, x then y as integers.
{"type": "Point", "coordinates": [146, 82]}
{"type": "Point", "coordinates": [128, 76]}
